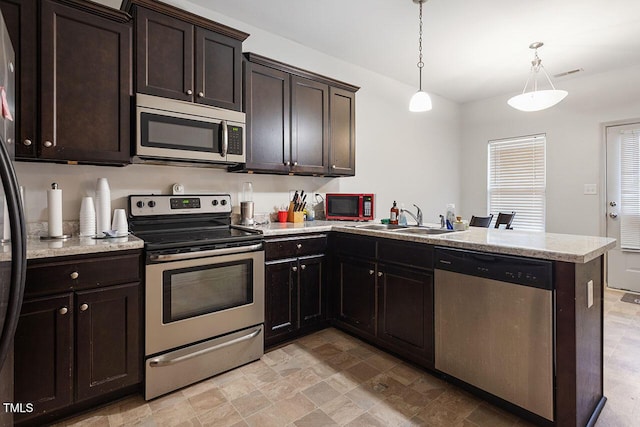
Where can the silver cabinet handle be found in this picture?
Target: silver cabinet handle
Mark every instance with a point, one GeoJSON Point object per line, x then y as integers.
{"type": "Point", "coordinates": [84, 307]}
{"type": "Point", "coordinates": [189, 92]}
{"type": "Point", "coordinates": [333, 166]}
{"type": "Point", "coordinates": [303, 266]}
{"type": "Point", "coordinates": [287, 163]}
{"type": "Point", "coordinates": [299, 245]}
{"type": "Point", "coordinates": [225, 138]}
{"type": "Point", "coordinates": [63, 311]}
{"type": "Point", "coordinates": [613, 215]}
{"type": "Point", "coordinates": [294, 268]}
{"type": "Point", "coordinates": [27, 142]}
{"type": "Point", "coordinates": [371, 272]}
{"type": "Point", "coordinates": [74, 275]}
{"type": "Point", "coordinates": [379, 273]}
{"type": "Point", "coordinates": [295, 163]}
{"type": "Point", "coordinates": [48, 144]}
{"type": "Point", "coordinates": [200, 94]}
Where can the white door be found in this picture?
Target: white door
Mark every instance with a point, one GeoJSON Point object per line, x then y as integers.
{"type": "Point", "coordinates": [623, 206]}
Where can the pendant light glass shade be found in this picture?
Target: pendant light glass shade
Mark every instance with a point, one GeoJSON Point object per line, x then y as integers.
{"type": "Point", "coordinates": [536, 100]}
{"type": "Point", "coordinates": [420, 101]}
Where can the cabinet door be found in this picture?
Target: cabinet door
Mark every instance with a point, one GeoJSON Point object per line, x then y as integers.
{"type": "Point", "coordinates": [218, 67]}
{"type": "Point", "coordinates": [312, 290]}
{"type": "Point", "coordinates": [357, 296]}
{"type": "Point", "coordinates": [267, 104]}
{"type": "Point", "coordinates": [405, 313]}
{"type": "Point", "coordinates": [342, 138]}
{"type": "Point", "coordinates": [281, 296]}
{"type": "Point", "coordinates": [85, 86]}
{"type": "Point", "coordinates": [43, 348]}
{"type": "Point", "coordinates": [107, 339]}
{"type": "Point", "coordinates": [164, 55]}
{"type": "Point", "coordinates": [21, 18]}
{"type": "Point", "coordinates": [309, 126]}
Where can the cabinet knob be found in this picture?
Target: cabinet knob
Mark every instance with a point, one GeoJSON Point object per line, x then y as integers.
{"type": "Point", "coordinates": [295, 163]}
{"type": "Point", "coordinates": [371, 272]}
{"type": "Point", "coordinates": [74, 275]}
{"type": "Point", "coordinates": [48, 144]}
{"type": "Point", "coordinates": [333, 166]}
{"type": "Point", "coordinates": [287, 163]}
{"type": "Point", "coordinates": [84, 307]}
{"type": "Point", "coordinates": [63, 311]}
{"type": "Point", "coordinates": [294, 268]}
{"type": "Point", "coordinates": [379, 273]}
{"type": "Point", "coordinates": [303, 266]}
{"type": "Point", "coordinates": [27, 142]}
{"type": "Point", "coordinates": [299, 245]}
{"type": "Point", "coordinates": [200, 94]}
{"type": "Point", "coordinates": [189, 92]}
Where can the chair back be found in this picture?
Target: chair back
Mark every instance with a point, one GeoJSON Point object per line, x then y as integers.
{"type": "Point", "coordinates": [480, 221]}
{"type": "Point", "coordinates": [505, 218]}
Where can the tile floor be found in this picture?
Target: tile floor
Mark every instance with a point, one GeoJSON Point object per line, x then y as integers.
{"type": "Point", "coordinates": [330, 378]}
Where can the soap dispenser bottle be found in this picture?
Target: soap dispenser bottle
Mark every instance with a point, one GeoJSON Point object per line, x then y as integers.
{"type": "Point", "coordinates": [402, 218]}
{"type": "Point", "coordinates": [393, 214]}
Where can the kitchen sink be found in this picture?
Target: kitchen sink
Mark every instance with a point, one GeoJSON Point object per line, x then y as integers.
{"type": "Point", "coordinates": [422, 230]}
{"type": "Point", "coordinates": [381, 227]}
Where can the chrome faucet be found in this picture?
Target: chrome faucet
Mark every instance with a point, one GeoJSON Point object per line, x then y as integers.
{"type": "Point", "coordinates": [442, 222]}
{"type": "Point", "coordinates": [417, 217]}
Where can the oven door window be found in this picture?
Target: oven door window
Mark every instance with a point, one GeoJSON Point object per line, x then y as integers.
{"type": "Point", "coordinates": [194, 291]}
{"type": "Point", "coordinates": [343, 206]}
{"type": "Point", "coordinates": [179, 133]}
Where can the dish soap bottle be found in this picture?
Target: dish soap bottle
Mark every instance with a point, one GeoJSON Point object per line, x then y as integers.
{"type": "Point", "coordinates": [402, 218]}
{"type": "Point", "coordinates": [451, 216]}
{"type": "Point", "coordinates": [393, 214]}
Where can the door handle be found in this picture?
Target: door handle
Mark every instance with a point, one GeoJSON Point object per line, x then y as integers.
{"type": "Point", "coordinates": [613, 215]}
{"type": "Point", "coordinates": [225, 138]}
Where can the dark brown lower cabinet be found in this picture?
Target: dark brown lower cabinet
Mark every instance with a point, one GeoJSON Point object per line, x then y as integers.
{"type": "Point", "coordinates": [405, 312]}
{"type": "Point", "coordinates": [295, 297]}
{"type": "Point", "coordinates": [78, 341]}
{"type": "Point", "coordinates": [357, 294]}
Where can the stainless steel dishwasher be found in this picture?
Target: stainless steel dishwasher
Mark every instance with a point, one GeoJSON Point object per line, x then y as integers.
{"type": "Point", "coordinates": [494, 325]}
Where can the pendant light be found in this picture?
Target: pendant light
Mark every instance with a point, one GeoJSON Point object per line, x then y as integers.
{"type": "Point", "coordinates": [420, 101]}
{"type": "Point", "coordinates": [536, 100]}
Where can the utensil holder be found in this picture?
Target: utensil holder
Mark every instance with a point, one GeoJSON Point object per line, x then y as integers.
{"type": "Point", "coordinates": [294, 216]}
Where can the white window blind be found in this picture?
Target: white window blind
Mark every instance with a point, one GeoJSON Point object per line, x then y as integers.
{"type": "Point", "coordinates": [630, 190]}
{"type": "Point", "coordinates": [517, 180]}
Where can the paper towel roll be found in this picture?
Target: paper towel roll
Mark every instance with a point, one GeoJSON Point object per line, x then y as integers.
{"type": "Point", "coordinates": [103, 206]}
{"type": "Point", "coordinates": [87, 217]}
{"type": "Point", "coordinates": [54, 210]}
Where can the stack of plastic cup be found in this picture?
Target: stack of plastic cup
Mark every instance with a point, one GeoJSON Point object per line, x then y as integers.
{"type": "Point", "coordinates": [87, 217]}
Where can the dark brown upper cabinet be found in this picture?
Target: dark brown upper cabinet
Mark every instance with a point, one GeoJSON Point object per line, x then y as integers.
{"type": "Point", "coordinates": [183, 56]}
{"type": "Point", "coordinates": [298, 122]}
{"type": "Point", "coordinates": [76, 106]}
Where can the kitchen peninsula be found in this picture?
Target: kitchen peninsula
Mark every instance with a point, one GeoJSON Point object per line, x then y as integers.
{"type": "Point", "coordinates": [368, 268]}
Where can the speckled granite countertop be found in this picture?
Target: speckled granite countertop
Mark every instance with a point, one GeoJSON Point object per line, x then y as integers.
{"type": "Point", "coordinates": [37, 248]}
{"type": "Point", "coordinates": [551, 246]}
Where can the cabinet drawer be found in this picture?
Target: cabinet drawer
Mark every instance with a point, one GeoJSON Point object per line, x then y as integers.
{"type": "Point", "coordinates": [418, 255]}
{"type": "Point", "coordinates": [353, 245]}
{"type": "Point", "coordinates": [294, 247]}
{"type": "Point", "coordinates": [63, 274]}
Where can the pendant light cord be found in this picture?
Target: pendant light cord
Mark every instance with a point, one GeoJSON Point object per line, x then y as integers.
{"type": "Point", "coordinates": [420, 63]}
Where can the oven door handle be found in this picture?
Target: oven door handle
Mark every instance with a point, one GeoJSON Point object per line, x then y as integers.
{"type": "Point", "coordinates": [200, 254]}
{"type": "Point", "coordinates": [160, 361]}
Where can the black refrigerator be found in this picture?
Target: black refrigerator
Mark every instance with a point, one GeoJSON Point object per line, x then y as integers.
{"type": "Point", "coordinates": [13, 259]}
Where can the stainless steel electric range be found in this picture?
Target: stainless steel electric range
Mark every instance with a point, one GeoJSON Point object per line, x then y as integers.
{"type": "Point", "coordinates": [204, 289]}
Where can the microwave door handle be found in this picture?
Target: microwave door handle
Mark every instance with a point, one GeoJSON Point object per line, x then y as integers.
{"type": "Point", "coordinates": [225, 138]}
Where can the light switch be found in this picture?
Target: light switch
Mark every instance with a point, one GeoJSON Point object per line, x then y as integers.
{"type": "Point", "coordinates": [591, 189]}
{"type": "Point", "coordinates": [589, 293]}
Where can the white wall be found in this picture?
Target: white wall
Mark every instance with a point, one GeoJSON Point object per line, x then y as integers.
{"type": "Point", "coordinates": [575, 145]}
{"type": "Point", "coordinates": [403, 156]}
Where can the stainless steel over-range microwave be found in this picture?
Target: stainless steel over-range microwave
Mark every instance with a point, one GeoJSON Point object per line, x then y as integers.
{"type": "Point", "coordinates": [169, 130]}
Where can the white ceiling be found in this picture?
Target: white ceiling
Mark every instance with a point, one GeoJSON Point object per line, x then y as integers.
{"type": "Point", "coordinates": [472, 49]}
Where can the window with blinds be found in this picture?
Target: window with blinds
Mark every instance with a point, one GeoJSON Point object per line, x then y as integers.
{"type": "Point", "coordinates": [630, 190]}
{"type": "Point", "coordinates": [517, 180]}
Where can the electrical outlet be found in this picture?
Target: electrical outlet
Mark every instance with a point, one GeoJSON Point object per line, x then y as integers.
{"type": "Point", "coordinates": [590, 189]}
{"type": "Point", "coordinates": [589, 293]}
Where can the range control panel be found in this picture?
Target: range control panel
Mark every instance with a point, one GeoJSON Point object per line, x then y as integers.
{"type": "Point", "coordinates": [181, 204]}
